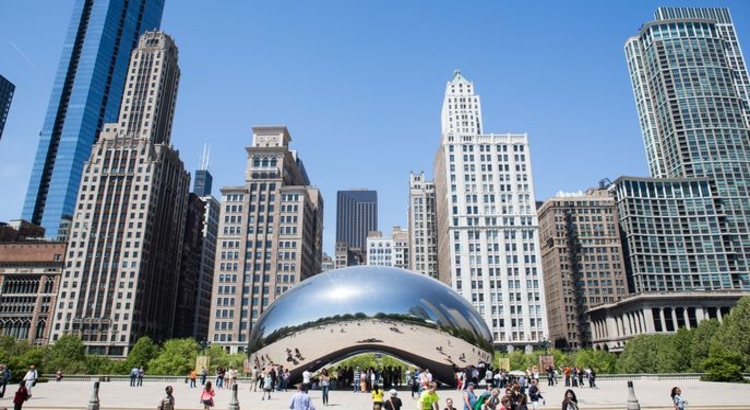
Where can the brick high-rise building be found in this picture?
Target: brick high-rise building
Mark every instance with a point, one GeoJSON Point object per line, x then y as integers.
{"type": "Point", "coordinates": [122, 269]}
{"type": "Point", "coordinates": [270, 237]}
{"type": "Point", "coordinates": [422, 226]}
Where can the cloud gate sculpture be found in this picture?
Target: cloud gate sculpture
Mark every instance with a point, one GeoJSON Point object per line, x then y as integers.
{"type": "Point", "coordinates": [344, 312]}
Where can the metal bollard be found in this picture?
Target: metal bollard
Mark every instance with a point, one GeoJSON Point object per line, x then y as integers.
{"type": "Point", "coordinates": [234, 404]}
{"type": "Point", "coordinates": [632, 400]}
{"type": "Point", "coordinates": [94, 402]}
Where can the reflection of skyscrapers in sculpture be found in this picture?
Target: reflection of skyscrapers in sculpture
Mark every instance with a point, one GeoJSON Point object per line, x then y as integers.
{"type": "Point", "coordinates": [488, 242]}
{"type": "Point", "coordinates": [86, 94]}
{"type": "Point", "coordinates": [123, 262]}
{"type": "Point", "coordinates": [356, 217]}
{"type": "Point", "coordinates": [270, 237]}
{"type": "Point", "coordinates": [6, 96]}
{"type": "Point", "coordinates": [422, 226]}
{"type": "Point", "coordinates": [691, 88]}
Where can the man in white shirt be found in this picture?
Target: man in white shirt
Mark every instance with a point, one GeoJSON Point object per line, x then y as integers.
{"type": "Point", "coordinates": [306, 378]}
{"type": "Point", "coordinates": [30, 378]}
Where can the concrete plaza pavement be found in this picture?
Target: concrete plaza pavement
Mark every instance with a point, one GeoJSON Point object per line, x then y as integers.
{"type": "Point", "coordinates": [609, 395]}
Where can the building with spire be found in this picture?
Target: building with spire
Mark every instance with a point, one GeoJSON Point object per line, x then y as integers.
{"type": "Point", "coordinates": [124, 255]}
{"type": "Point", "coordinates": [487, 229]}
{"type": "Point", "coordinates": [270, 237]}
{"type": "Point", "coordinates": [86, 94]}
{"type": "Point", "coordinates": [686, 228]}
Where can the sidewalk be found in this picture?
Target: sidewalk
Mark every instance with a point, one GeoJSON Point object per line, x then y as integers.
{"type": "Point", "coordinates": [609, 395]}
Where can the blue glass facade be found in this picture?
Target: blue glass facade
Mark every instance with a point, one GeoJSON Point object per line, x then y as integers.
{"type": "Point", "coordinates": [6, 96]}
{"type": "Point", "coordinates": [86, 94]}
{"type": "Point", "coordinates": [356, 216]}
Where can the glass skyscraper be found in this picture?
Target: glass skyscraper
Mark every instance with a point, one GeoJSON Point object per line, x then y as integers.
{"type": "Point", "coordinates": [689, 227]}
{"type": "Point", "coordinates": [6, 96]}
{"type": "Point", "coordinates": [86, 94]}
{"type": "Point", "coordinates": [356, 216]}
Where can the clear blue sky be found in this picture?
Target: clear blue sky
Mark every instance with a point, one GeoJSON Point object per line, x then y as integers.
{"type": "Point", "coordinates": [360, 84]}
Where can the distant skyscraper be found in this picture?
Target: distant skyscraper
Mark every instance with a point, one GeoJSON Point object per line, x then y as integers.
{"type": "Point", "coordinates": [582, 262]}
{"type": "Point", "coordinates": [124, 255]}
{"type": "Point", "coordinates": [6, 96]}
{"type": "Point", "coordinates": [188, 283]}
{"type": "Point", "coordinates": [356, 216]}
{"type": "Point", "coordinates": [422, 226]}
{"type": "Point", "coordinates": [488, 235]}
{"type": "Point", "coordinates": [270, 237]}
{"type": "Point", "coordinates": [691, 88]}
{"type": "Point", "coordinates": [211, 211]}
{"type": "Point", "coordinates": [86, 94]}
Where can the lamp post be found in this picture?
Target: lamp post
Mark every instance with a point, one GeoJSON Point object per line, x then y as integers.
{"type": "Point", "coordinates": [204, 345]}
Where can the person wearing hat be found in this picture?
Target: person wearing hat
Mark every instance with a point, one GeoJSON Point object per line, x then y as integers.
{"type": "Point", "coordinates": [167, 403]}
{"type": "Point", "coordinates": [393, 402]}
{"type": "Point", "coordinates": [470, 398]}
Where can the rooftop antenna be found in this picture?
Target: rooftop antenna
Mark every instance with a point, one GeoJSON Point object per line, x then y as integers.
{"type": "Point", "coordinates": [205, 157]}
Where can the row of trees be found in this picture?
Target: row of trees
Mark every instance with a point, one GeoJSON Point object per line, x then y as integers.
{"type": "Point", "coordinates": [722, 350]}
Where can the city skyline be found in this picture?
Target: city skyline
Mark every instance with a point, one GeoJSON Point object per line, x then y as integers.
{"type": "Point", "coordinates": [353, 100]}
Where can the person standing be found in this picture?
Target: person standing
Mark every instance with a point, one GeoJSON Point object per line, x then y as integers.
{"type": "Point", "coordinates": [677, 400]}
{"type": "Point", "coordinates": [133, 376]}
{"type": "Point", "coordinates": [255, 378]}
{"type": "Point", "coordinates": [357, 376]}
{"type": "Point", "coordinates": [449, 404]}
{"type": "Point", "coordinates": [30, 378]}
{"type": "Point", "coordinates": [394, 403]}
{"type": "Point", "coordinates": [325, 383]}
{"type": "Point", "coordinates": [592, 378]}
{"type": "Point", "coordinates": [377, 397]}
{"type": "Point", "coordinates": [469, 397]}
{"type": "Point", "coordinates": [22, 395]}
{"type": "Point", "coordinates": [204, 374]}
{"type": "Point", "coordinates": [141, 372]}
{"type": "Point", "coordinates": [570, 402]}
{"type": "Point", "coordinates": [207, 396]}
{"type": "Point", "coordinates": [301, 400]}
{"type": "Point", "coordinates": [58, 376]}
{"type": "Point", "coordinates": [267, 385]}
{"type": "Point", "coordinates": [167, 403]}
{"type": "Point", "coordinates": [429, 399]}
{"type": "Point", "coordinates": [306, 379]}
{"type": "Point", "coordinates": [192, 376]}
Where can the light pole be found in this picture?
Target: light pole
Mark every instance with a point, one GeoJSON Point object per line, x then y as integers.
{"type": "Point", "coordinates": [204, 345]}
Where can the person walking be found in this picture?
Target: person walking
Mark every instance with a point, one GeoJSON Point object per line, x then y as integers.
{"type": "Point", "coordinates": [301, 400]}
{"type": "Point", "coordinates": [167, 403]}
{"type": "Point", "coordinates": [207, 396]}
{"type": "Point", "coordinates": [267, 385]}
{"type": "Point", "coordinates": [30, 378]}
{"type": "Point", "coordinates": [377, 397]}
{"type": "Point", "coordinates": [22, 395]}
{"type": "Point", "coordinates": [677, 400]}
{"type": "Point", "coordinates": [5, 375]}
{"type": "Point", "coordinates": [429, 399]}
{"type": "Point", "coordinates": [394, 403]}
{"type": "Point", "coordinates": [535, 395]}
{"type": "Point", "coordinates": [325, 383]}
{"type": "Point", "coordinates": [570, 402]}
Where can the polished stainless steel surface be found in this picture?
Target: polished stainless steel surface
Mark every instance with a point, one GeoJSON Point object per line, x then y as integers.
{"type": "Point", "coordinates": [346, 311]}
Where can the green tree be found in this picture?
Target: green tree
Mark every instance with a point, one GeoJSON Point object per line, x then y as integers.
{"type": "Point", "coordinates": [701, 343]}
{"type": "Point", "coordinates": [602, 362]}
{"type": "Point", "coordinates": [96, 364]}
{"type": "Point", "coordinates": [143, 351]}
{"type": "Point", "coordinates": [734, 333]}
{"type": "Point", "coordinates": [722, 365]}
{"type": "Point", "coordinates": [640, 354]}
{"type": "Point", "coordinates": [176, 358]}
{"type": "Point", "coordinates": [68, 355]}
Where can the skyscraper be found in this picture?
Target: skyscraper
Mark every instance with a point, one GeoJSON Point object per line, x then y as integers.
{"type": "Point", "coordinates": [124, 254]}
{"type": "Point", "coordinates": [488, 234]}
{"type": "Point", "coordinates": [691, 89]}
{"type": "Point", "coordinates": [6, 96]}
{"type": "Point", "coordinates": [86, 94]}
{"type": "Point", "coordinates": [356, 216]}
{"type": "Point", "coordinates": [270, 237]}
{"type": "Point", "coordinates": [211, 210]}
{"type": "Point", "coordinates": [422, 226]}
